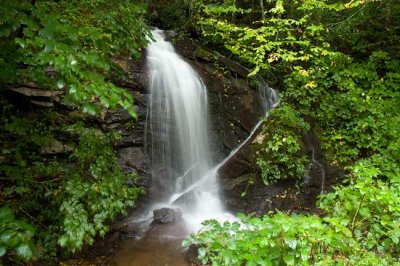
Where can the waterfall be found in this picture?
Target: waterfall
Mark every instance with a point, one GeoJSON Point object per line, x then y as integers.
{"type": "Point", "coordinates": [178, 117]}
{"type": "Point", "coordinates": [178, 125]}
{"type": "Point", "coordinates": [179, 129]}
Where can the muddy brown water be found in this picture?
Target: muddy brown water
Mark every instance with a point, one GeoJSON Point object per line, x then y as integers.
{"type": "Point", "coordinates": [161, 245]}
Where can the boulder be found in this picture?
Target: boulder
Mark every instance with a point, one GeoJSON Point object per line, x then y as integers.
{"type": "Point", "coordinates": [166, 215]}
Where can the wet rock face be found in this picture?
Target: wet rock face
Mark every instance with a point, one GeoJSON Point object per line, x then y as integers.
{"type": "Point", "coordinates": [166, 215]}
{"type": "Point", "coordinates": [131, 148]}
{"type": "Point", "coordinates": [134, 159]}
{"type": "Point", "coordinates": [134, 76]}
{"type": "Point", "coordinates": [248, 194]}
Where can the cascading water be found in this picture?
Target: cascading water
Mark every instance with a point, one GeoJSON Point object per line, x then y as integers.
{"type": "Point", "coordinates": [178, 125]}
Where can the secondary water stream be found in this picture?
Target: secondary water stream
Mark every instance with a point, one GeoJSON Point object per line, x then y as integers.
{"type": "Point", "coordinates": [183, 172]}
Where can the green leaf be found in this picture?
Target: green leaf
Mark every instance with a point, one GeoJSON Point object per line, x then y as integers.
{"type": "Point", "coordinates": [6, 214]}
{"type": "Point", "coordinates": [292, 243]}
{"type": "Point", "coordinates": [131, 111]}
{"type": "Point", "coordinates": [24, 251]}
{"type": "Point", "coordinates": [186, 243]}
{"type": "Point", "coordinates": [7, 236]}
{"type": "Point", "coordinates": [62, 241]}
{"type": "Point", "coordinates": [91, 108]}
{"type": "Point", "coordinates": [288, 258]}
{"type": "Point", "coordinates": [202, 252]}
{"type": "Point", "coordinates": [2, 251]}
{"type": "Point", "coordinates": [304, 255]}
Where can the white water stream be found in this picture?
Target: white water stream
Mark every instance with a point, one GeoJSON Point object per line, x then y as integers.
{"type": "Point", "coordinates": [179, 129]}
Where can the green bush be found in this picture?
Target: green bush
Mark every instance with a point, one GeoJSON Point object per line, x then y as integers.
{"type": "Point", "coordinates": [80, 193]}
{"type": "Point", "coordinates": [369, 207]}
{"type": "Point", "coordinates": [281, 154]}
{"type": "Point", "coordinates": [361, 223]}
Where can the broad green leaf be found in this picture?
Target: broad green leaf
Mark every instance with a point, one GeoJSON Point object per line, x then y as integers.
{"type": "Point", "coordinates": [24, 251]}
{"type": "Point", "coordinates": [91, 108]}
{"type": "Point", "coordinates": [2, 251]}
